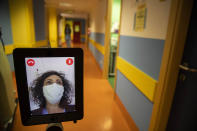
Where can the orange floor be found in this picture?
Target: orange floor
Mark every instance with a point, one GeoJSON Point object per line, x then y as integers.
{"type": "Point", "coordinates": [101, 112]}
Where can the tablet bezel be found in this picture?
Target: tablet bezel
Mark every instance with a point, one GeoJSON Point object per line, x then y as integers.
{"type": "Point", "coordinates": [19, 55]}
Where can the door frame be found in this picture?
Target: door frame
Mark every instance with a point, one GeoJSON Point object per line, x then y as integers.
{"type": "Point", "coordinates": [117, 50]}
{"type": "Point", "coordinates": [108, 18]}
{"type": "Point", "coordinates": [179, 19]}
{"type": "Point", "coordinates": [108, 38]}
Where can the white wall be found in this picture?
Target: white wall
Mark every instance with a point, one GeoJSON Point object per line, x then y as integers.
{"type": "Point", "coordinates": [156, 22]}
{"type": "Point", "coordinates": [97, 17]}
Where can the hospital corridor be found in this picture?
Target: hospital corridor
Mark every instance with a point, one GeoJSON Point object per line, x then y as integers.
{"type": "Point", "coordinates": [98, 65]}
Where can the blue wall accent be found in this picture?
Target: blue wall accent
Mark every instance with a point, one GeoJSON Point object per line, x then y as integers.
{"type": "Point", "coordinates": [144, 53]}
{"type": "Point", "coordinates": [83, 26]}
{"type": "Point", "coordinates": [138, 106]}
{"type": "Point", "coordinates": [98, 56]}
{"type": "Point", "coordinates": [83, 29]}
{"type": "Point", "coordinates": [98, 37]}
{"type": "Point", "coordinates": [5, 22]}
{"type": "Point", "coordinates": [11, 61]}
{"type": "Point", "coordinates": [39, 19]}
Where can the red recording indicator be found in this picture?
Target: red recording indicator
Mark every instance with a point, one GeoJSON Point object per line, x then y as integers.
{"type": "Point", "coordinates": [69, 61]}
{"type": "Point", "coordinates": [30, 62]}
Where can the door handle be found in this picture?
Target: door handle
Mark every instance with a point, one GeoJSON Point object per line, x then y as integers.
{"type": "Point", "coordinates": [187, 68]}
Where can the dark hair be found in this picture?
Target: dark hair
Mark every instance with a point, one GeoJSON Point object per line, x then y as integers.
{"type": "Point", "coordinates": [37, 89]}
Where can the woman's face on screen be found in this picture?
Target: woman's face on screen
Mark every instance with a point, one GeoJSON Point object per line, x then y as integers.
{"type": "Point", "coordinates": [53, 89]}
{"type": "Point", "coordinates": [53, 79]}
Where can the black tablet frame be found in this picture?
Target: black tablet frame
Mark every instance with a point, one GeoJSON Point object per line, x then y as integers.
{"type": "Point", "coordinates": [19, 55]}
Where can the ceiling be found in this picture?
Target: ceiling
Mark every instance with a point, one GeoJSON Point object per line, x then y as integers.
{"type": "Point", "coordinates": [73, 6]}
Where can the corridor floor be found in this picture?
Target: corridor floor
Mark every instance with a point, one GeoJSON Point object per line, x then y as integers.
{"type": "Point", "coordinates": [101, 112]}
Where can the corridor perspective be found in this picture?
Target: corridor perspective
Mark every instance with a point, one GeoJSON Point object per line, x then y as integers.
{"type": "Point", "coordinates": [139, 64]}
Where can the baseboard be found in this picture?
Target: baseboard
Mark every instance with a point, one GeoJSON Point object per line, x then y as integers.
{"type": "Point", "coordinates": [126, 114]}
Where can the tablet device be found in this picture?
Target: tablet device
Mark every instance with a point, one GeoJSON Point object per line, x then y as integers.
{"type": "Point", "coordinates": [49, 84]}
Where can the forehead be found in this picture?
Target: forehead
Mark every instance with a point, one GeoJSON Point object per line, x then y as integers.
{"type": "Point", "coordinates": [53, 77]}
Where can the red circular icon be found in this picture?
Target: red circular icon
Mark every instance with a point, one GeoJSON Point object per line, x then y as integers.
{"type": "Point", "coordinates": [69, 61]}
{"type": "Point", "coordinates": [30, 62]}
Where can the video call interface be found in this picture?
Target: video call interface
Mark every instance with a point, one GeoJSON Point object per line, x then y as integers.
{"type": "Point", "coordinates": [51, 84]}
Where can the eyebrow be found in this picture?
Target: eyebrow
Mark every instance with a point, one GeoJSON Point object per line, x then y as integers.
{"type": "Point", "coordinates": [59, 80]}
{"type": "Point", "coordinates": [52, 79]}
{"type": "Point", "coordinates": [48, 79]}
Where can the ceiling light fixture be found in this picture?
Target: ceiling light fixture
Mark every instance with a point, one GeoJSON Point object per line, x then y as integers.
{"type": "Point", "coordinates": [65, 4]}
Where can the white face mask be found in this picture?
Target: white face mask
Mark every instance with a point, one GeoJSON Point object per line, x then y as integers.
{"type": "Point", "coordinates": [53, 93]}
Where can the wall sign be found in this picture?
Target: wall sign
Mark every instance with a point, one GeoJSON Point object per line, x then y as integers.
{"type": "Point", "coordinates": [140, 18]}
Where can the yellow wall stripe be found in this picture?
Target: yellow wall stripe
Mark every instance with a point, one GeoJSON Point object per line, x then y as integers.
{"type": "Point", "coordinates": [142, 81]}
{"type": "Point", "coordinates": [98, 46]}
{"type": "Point", "coordinates": [62, 28]}
{"type": "Point", "coordinates": [22, 21]}
{"type": "Point", "coordinates": [40, 43]}
{"type": "Point", "coordinates": [52, 27]}
{"type": "Point", "coordinates": [9, 48]}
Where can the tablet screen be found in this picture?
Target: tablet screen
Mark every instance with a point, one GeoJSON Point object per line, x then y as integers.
{"type": "Point", "coordinates": [51, 84]}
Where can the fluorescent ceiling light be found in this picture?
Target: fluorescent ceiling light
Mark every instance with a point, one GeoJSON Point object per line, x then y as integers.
{"type": "Point", "coordinates": [65, 4]}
